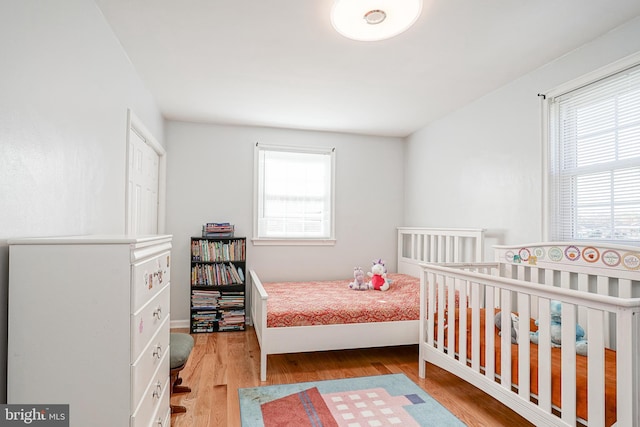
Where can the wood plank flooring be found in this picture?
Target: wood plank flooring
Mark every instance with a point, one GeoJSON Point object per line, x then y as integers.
{"type": "Point", "coordinates": [220, 363]}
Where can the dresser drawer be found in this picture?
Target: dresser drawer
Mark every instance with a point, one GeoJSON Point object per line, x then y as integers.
{"type": "Point", "coordinates": [153, 357]}
{"type": "Point", "coordinates": [155, 396]}
{"type": "Point", "coordinates": [162, 418]}
{"type": "Point", "coordinates": [149, 277]}
{"type": "Point", "coordinates": [146, 322]}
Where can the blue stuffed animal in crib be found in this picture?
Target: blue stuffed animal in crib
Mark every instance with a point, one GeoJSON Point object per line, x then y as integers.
{"type": "Point", "coordinates": [556, 330]}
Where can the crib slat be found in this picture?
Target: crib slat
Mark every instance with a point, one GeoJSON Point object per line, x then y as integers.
{"type": "Point", "coordinates": [602, 286]}
{"type": "Point", "coordinates": [624, 286]}
{"type": "Point", "coordinates": [624, 381]}
{"type": "Point", "coordinates": [596, 368]}
{"type": "Point", "coordinates": [568, 392]}
{"type": "Point", "coordinates": [583, 286]}
{"type": "Point", "coordinates": [548, 277]}
{"type": "Point", "coordinates": [535, 275]}
{"type": "Point", "coordinates": [535, 278]}
{"type": "Point", "coordinates": [431, 308]}
{"type": "Point", "coordinates": [524, 349]}
{"type": "Point", "coordinates": [490, 356]}
{"type": "Point", "coordinates": [505, 340]}
{"type": "Point", "coordinates": [475, 327]}
{"type": "Point", "coordinates": [441, 311]}
{"type": "Point", "coordinates": [565, 279]}
{"type": "Point", "coordinates": [463, 322]}
{"type": "Point", "coordinates": [451, 315]}
{"type": "Point", "coordinates": [544, 355]}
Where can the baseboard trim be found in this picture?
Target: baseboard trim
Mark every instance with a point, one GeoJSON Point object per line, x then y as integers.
{"type": "Point", "coordinates": [179, 324]}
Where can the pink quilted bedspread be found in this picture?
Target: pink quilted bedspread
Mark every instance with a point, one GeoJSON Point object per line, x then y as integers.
{"type": "Point", "coordinates": [332, 302]}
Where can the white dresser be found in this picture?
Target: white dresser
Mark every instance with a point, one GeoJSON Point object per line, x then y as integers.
{"type": "Point", "coordinates": [89, 327]}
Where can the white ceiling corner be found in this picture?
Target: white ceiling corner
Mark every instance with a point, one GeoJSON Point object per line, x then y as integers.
{"type": "Point", "coordinates": [280, 63]}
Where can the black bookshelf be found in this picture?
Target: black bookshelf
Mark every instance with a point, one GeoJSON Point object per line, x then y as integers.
{"type": "Point", "coordinates": [218, 278]}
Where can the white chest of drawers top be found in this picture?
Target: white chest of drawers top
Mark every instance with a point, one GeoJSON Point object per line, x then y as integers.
{"type": "Point", "coordinates": [89, 327]}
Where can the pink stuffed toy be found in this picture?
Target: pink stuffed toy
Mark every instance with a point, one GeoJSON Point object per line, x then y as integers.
{"type": "Point", "coordinates": [378, 276]}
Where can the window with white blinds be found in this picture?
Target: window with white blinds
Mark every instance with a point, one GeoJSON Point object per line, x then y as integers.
{"type": "Point", "coordinates": [594, 151]}
{"type": "Point", "coordinates": [294, 194]}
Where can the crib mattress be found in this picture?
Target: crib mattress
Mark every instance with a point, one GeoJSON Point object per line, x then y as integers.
{"type": "Point", "coordinates": [332, 302]}
{"type": "Point", "coordinates": [556, 361]}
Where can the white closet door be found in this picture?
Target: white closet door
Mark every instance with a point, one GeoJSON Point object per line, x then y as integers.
{"type": "Point", "coordinates": [143, 178]}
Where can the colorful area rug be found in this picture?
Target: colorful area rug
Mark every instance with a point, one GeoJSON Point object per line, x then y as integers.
{"type": "Point", "coordinates": [381, 400]}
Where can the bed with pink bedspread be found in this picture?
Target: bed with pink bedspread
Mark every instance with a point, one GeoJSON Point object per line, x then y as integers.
{"type": "Point", "coordinates": [327, 315]}
{"type": "Point", "coordinates": [332, 302]}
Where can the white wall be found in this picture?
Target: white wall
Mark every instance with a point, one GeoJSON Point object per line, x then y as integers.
{"type": "Point", "coordinates": [65, 88]}
{"type": "Point", "coordinates": [481, 166]}
{"type": "Point", "coordinates": [210, 179]}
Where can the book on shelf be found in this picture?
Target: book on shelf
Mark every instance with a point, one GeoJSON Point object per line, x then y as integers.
{"type": "Point", "coordinates": [217, 230]}
{"type": "Point", "coordinates": [204, 300]}
{"type": "Point", "coordinates": [218, 251]}
{"type": "Point", "coordinates": [216, 275]}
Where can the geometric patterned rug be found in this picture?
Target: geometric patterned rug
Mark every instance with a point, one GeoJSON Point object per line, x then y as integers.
{"type": "Point", "coordinates": [381, 400]}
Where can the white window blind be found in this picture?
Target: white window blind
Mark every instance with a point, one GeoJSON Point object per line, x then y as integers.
{"type": "Point", "coordinates": [294, 193]}
{"type": "Point", "coordinates": [595, 160]}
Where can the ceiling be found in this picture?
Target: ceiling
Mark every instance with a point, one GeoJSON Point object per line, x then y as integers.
{"type": "Point", "coordinates": [279, 63]}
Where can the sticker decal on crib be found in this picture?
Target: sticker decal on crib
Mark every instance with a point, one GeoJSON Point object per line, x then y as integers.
{"type": "Point", "coordinates": [509, 256]}
{"type": "Point", "coordinates": [572, 253]}
{"type": "Point", "coordinates": [524, 254]}
{"type": "Point", "coordinates": [555, 253]}
{"type": "Point", "coordinates": [538, 253]}
{"type": "Point", "coordinates": [631, 260]}
{"type": "Point", "coordinates": [611, 258]}
{"type": "Point", "coordinates": [590, 254]}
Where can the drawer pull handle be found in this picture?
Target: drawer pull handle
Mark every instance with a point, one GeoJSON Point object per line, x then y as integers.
{"type": "Point", "coordinates": [157, 391]}
{"type": "Point", "coordinates": [157, 312]}
{"type": "Point", "coordinates": [157, 353]}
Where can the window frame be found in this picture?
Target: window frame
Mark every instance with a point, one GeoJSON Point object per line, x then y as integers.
{"type": "Point", "coordinates": [292, 241]}
{"type": "Point", "coordinates": [547, 138]}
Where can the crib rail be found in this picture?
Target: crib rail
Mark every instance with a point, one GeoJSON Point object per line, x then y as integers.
{"type": "Point", "coordinates": [479, 286]}
{"type": "Point", "coordinates": [606, 269]}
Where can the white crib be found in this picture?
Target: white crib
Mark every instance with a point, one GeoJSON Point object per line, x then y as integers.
{"type": "Point", "coordinates": [599, 288]}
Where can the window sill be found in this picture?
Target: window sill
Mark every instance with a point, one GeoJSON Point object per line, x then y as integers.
{"type": "Point", "coordinates": [292, 242]}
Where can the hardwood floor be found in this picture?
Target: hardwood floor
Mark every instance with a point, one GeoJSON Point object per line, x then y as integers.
{"type": "Point", "coordinates": [220, 363]}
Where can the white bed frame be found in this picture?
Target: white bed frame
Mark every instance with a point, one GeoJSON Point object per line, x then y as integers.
{"type": "Point", "coordinates": [603, 299]}
{"type": "Point", "coordinates": [415, 246]}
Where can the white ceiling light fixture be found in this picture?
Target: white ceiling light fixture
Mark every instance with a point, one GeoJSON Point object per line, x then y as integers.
{"type": "Point", "coordinates": [370, 20]}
